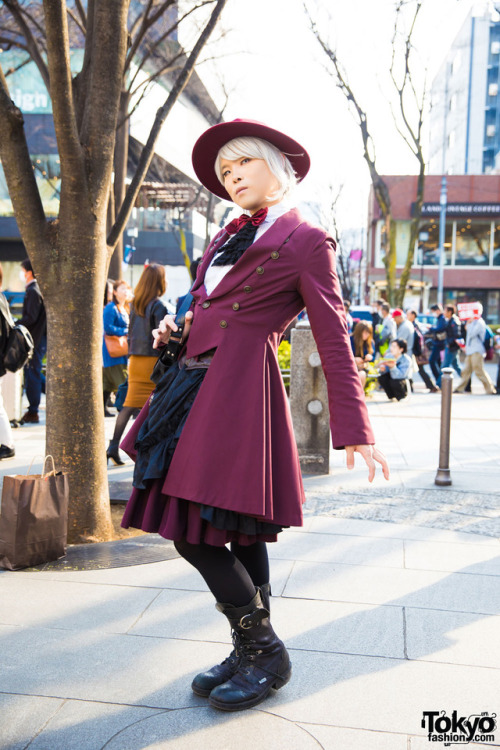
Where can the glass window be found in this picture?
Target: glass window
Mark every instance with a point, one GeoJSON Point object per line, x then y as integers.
{"type": "Point", "coordinates": [493, 89]}
{"type": "Point", "coordinates": [472, 243]}
{"type": "Point", "coordinates": [496, 244]}
{"type": "Point", "coordinates": [428, 243]}
{"type": "Point", "coordinates": [495, 48]}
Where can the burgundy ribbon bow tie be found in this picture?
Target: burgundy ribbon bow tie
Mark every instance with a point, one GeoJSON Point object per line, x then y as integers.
{"type": "Point", "coordinates": [235, 225]}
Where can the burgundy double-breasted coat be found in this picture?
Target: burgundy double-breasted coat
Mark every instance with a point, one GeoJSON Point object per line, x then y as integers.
{"type": "Point", "coordinates": [237, 450]}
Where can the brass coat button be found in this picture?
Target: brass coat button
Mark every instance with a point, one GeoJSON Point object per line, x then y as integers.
{"type": "Point", "coordinates": [247, 289]}
{"type": "Point", "coordinates": [223, 324]}
{"type": "Point", "coordinates": [275, 255]}
{"type": "Point", "coordinates": [236, 306]}
{"type": "Point", "coordinates": [259, 270]}
{"type": "Point", "coordinates": [206, 304]}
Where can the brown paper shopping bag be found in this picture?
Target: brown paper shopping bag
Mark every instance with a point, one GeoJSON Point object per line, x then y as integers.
{"type": "Point", "coordinates": [33, 518]}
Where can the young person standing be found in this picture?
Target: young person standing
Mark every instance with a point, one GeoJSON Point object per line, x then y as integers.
{"type": "Point", "coordinates": [216, 459]}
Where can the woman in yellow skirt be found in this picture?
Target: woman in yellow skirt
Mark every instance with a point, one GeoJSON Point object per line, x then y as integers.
{"type": "Point", "coordinates": [147, 310]}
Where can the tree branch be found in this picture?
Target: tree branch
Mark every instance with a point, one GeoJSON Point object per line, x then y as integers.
{"type": "Point", "coordinates": [98, 131]}
{"type": "Point", "coordinates": [61, 92]}
{"type": "Point", "coordinates": [148, 150]}
{"type": "Point", "coordinates": [146, 24]}
{"type": "Point", "coordinates": [76, 20]}
{"type": "Point", "coordinates": [18, 170]}
{"type": "Point", "coordinates": [31, 43]}
{"type": "Point", "coordinates": [81, 12]}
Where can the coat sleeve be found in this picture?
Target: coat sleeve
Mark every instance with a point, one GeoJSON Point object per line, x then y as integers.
{"type": "Point", "coordinates": [114, 325]}
{"type": "Point", "coordinates": [319, 288]}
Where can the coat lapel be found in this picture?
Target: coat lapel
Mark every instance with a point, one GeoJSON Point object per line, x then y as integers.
{"type": "Point", "coordinates": [253, 257]}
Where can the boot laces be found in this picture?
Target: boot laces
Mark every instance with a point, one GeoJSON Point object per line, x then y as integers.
{"type": "Point", "coordinates": [234, 656]}
{"type": "Point", "coordinates": [248, 653]}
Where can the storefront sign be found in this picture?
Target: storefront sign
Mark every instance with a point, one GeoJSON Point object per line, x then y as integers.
{"type": "Point", "coordinates": [461, 209]}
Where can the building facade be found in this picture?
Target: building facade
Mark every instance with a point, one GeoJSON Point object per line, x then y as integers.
{"type": "Point", "coordinates": [465, 99]}
{"type": "Point", "coordinates": [472, 241]}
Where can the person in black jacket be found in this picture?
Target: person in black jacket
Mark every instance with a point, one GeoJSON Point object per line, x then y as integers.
{"type": "Point", "coordinates": [438, 335]}
{"type": "Point", "coordinates": [35, 320]}
{"type": "Point", "coordinates": [147, 310]}
{"type": "Point", "coordinates": [6, 439]}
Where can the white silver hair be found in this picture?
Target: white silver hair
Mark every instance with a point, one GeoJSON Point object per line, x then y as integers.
{"type": "Point", "coordinates": [258, 148]}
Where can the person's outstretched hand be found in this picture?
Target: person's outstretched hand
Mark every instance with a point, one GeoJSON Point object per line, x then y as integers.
{"type": "Point", "coordinates": [370, 454]}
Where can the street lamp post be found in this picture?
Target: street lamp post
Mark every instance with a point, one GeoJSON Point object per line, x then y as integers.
{"type": "Point", "coordinates": [442, 231]}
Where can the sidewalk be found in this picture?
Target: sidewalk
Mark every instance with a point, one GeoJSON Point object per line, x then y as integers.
{"type": "Point", "coordinates": [384, 619]}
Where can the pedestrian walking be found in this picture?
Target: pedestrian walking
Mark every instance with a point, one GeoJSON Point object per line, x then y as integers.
{"type": "Point", "coordinates": [453, 335]}
{"type": "Point", "coordinates": [386, 330]}
{"type": "Point", "coordinates": [475, 352]}
{"type": "Point", "coordinates": [35, 320]}
{"type": "Point", "coordinates": [115, 320]}
{"type": "Point", "coordinates": [395, 372]}
{"type": "Point", "coordinates": [420, 351]}
{"type": "Point", "coordinates": [146, 313]}
{"type": "Point", "coordinates": [437, 334]}
{"type": "Point", "coordinates": [216, 460]}
{"type": "Point", "coordinates": [348, 316]}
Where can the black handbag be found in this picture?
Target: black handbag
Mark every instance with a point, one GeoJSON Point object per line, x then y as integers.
{"type": "Point", "coordinates": [170, 352]}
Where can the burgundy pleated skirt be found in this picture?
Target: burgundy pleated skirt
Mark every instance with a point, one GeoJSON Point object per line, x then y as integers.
{"type": "Point", "coordinates": [151, 443]}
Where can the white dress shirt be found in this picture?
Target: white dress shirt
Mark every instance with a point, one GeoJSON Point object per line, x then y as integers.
{"type": "Point", "coordinates": [215, 274]}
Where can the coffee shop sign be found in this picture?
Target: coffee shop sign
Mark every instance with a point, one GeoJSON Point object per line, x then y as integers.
{"type": "Point", "coordinates": [462, 209]}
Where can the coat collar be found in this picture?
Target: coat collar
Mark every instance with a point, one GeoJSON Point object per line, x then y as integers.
{"type": "Point", "coordinates": [253, 257]}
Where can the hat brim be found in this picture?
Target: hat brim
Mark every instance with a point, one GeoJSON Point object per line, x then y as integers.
{"type": "Point", "coordinates": [211, 141]}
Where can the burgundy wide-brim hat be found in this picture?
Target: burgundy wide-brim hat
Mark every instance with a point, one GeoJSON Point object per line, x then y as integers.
{"type": "Point", "coordinates": [209, 144]}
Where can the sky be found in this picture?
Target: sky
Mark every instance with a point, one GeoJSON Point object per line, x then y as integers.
{"type": "Point", "coordinates": [277, 73]}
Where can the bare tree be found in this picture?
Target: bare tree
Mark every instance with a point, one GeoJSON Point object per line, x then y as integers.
{"type": "Point", "coordinates": [71, 254]}
{"type": "Point", "coordinates": [409, 124]}
{"type": "Point", "coordinates": [408, 99]}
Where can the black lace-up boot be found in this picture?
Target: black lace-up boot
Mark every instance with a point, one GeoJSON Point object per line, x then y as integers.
{"type": "Point", "coordinates": [263, 663]}
{"type": "Point", "coordinates": [205, 682]}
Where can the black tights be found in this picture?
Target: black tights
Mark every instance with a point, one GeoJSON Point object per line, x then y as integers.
{"type": "Point", "coordinates": [122, 420]}
{"type": "Point", "coordinates": [231, 575]}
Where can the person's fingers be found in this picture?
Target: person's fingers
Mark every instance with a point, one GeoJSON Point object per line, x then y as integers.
{"type": "Point", "coordinates": [168, 324]}
{"type": "Point", "coordinates": [349, 457]}
{"type": "Point", "coordinates": [381, 459]}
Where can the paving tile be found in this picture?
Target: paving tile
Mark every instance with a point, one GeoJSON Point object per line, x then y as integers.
{"type": "Point", "coordinates": [453, 637]}
{"type": "Point", "coordinates": [477, 558]}
{"type": "Point", "coordinates": [210, 729]}
{"type": "Point", "coordinates": [313, 625]}
{"type": "Point", "coordinates": [71, 605]}
{"type": "Point", "coordinates": [340, 738]}
{"type": "Point", "coordinates": [383, 695]}
{"type": "Point", "coordinates": [23, 716]}
{"type": "Point", "coordinates": [168, 574]}
{"type": "Point", "coordinates": [457, 592]}
{"type": "Point", "coordinates": [86, 725]}
{"type": "Point", "coordinates": [376, 529]}
{"type": "Point", "coordinates": [97, 666]}
{"type": "Point", "coordinates": [338, 548]}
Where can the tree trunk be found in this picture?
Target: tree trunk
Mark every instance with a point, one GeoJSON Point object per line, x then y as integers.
{"type": "Point", "coordinates": [75, 430]}
{"type": "Point", "coordinates": [417, 215]}
{"type": "Point", "coordinates": [120, 167]}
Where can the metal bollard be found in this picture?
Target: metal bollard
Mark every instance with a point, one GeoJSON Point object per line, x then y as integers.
{"type": "Point", "coordinates": [443, 478]}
